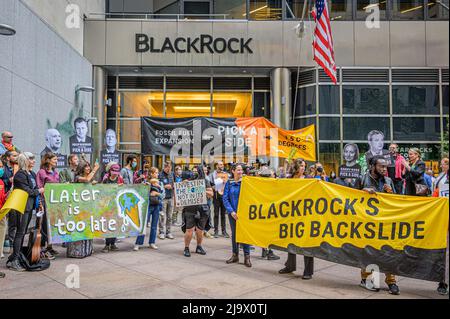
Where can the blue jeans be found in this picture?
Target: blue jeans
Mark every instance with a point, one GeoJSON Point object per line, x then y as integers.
{"type": "Point", "coordinates": [245, 247]}
{"type": "Point", "coordinates": [153, 213]}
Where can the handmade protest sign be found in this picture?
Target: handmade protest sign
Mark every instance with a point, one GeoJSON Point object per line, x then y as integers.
{"type": "Point", "coordinates": [402, 235]}
{"type": "Point", "coordinates": [83, 211]}
{"type": "Point", "coordinates": [190, 193]}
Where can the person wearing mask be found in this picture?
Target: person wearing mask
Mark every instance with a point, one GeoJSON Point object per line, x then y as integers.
{"type": "Point", "coordinates": [441, 189]}
{"type": "Point", "coordinates": [24, 179]}
{"type": "Point", "coordinates": [230, 200]}
{"type": "Point", "coordinates": [47, 174]}
{"type": "Point", "coordinates": [376, 181]}
{"type": "Point", "coordinates": [112, 176]}
{"type": "Point", "coordinates": [165, 221]}
{"type": "Point", "coordinates": [7, 144]}
{"type": "Point", "coordinates": [195, 217]}
{"type": "Point", "coordinates": [177, 210]}
{"type": "Point", "coordinates": [396, 169]}
{"type": "Point", "coordinates": [319, 173]}
{"type": "Point", "coordinates": [299, 171]}
{"type": "Point", "coordinates": [128, 171]}
{"type": "Point", "coordinates": [67, 175]}
{"type": "Point", "coordinates": [156, 197]}
{"type": "Point", "coordinates": [3, 220]}
{"type": "Point", "coordinates": [85, 174]}
{"type": "Point", "coordinates": [220, 177]}
{"type": "Point", "coordinates": [415, 184]}
{"type": "Point", "coordinates": [11, 167]}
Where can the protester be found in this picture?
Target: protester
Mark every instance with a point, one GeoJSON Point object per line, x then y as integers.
{"type": "Point", "coordinates": [299, 171]}
{"type": "Point", "coordinates": [24, 179]}
{"type": "Point", "coordinates": [414, 176]}
{"type": "Point", "coordinates": [156, 197]}
{"type": "Point", "coordinates": [230, 200]}
{"type": "Point", "coordinates": [128, 171]}
{"type": "Point", "coordinates": [2, 221]}
{"type": "Point", "coordinates": [112, 176]}
{"type": "Point", "coordinates": [441, 189]}
{"type": "Point", "coordinates": [318, 172]}
{"type": "Point", "coordinates": [165, 221]}
{"type": "Point", "coordinates": [177, 210]}
{"type": "Point", "coordinates": [7, 144]}
{"type": "Point", "coordinates": [208, 225]}
{"type": "Point", "coordinates": [47, 174]}
{"type": "Point", "coordinates": [220, 177]}
{"type": "Point", "coordinates": [67, 175]}
{"type": "Point", "coordinates": [429, 178]}
{"type": "Point", "coordinates": [195, 217]}
{"type": "Point", "coordinates": [396, 169]}
{"type": "Point", "coordinates": [376, 181]}
{"type": "Point", "coordinates": [10, 168]}
{"type": "Point", "coordinates": [86, 175]}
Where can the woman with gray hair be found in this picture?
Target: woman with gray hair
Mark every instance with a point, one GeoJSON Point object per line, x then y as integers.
{"type": "Point", "coordinates": [25, 179]}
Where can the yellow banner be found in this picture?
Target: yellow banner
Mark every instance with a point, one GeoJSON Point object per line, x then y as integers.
{"type": "Point", "coordinates": [307, 213]}
{"type": "Point", "coordinates": [17, 200]}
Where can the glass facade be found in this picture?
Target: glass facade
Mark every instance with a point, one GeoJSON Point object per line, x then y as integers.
{"type": "Point", "coordinates": [407, 113]}
{"type": "Point", "coordinates": [340, 10]}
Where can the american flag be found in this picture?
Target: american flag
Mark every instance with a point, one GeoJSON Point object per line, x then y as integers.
{"type": "Point", "coordinates": [323, 40]}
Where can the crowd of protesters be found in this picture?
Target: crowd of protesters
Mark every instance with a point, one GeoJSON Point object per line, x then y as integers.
{"type": "Point", "coordinates": [223, 185]}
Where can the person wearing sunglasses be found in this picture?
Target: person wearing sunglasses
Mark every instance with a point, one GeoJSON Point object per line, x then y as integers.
{"type": "Point", "coordinates": [6, 144]}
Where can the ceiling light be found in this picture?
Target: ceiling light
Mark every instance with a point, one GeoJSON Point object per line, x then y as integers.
{"type": "Point", "coordinates": [193, 109]}
{"type": "Point", "coordinates": [256, 10]}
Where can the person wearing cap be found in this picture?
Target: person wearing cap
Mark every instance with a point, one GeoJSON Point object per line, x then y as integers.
{"type": "Point", "coordinates": [112, 177]}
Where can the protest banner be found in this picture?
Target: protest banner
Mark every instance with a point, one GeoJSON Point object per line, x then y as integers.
{"type": "Point", "coordinates": [402, 235]}
{"type": "Point", "coordinates": [84, 211]}
{"type": "Point", "coordinates": [190, 193]}
{"type": "Point", "coordinates": [16, 201]}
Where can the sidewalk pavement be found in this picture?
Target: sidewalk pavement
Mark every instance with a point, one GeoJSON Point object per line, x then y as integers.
{"type": "Point", "coordinates": [166, 273]}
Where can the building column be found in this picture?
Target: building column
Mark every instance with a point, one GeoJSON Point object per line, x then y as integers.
{"type": "Point", "coordinates": [280, 109]}
{"type": "Point", "coordinates": [98, 111]}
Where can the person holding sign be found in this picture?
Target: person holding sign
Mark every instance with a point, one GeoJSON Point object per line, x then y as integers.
{"type": "Point", "coordinates": [414, 176]}
{"type": "Point", "coordinates": [154, 207]}
{"type": "Point", "coordinates": [24, 179]}
{"type": "Point", "coordinates": [195, 217]}
{"type": "Point", "coordinates": [350, 172]}
{"type": "Point", "coordinates": [230, 201]}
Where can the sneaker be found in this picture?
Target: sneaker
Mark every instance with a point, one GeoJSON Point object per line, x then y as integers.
{"type": "Point", "coordinates": [53, 252]}
{"type": "Point", "coordinates": [136, 248]}
{"type": "Point", "coordinates": [15, 265]}
{"type": "Point", "coordinates": [225, 234]}
{"type": "Point", "coordinates": [153, 246]}
{"type": "Point", "coordinates": [200, 250]}
{"type": "Point", "coordinates": [393, 289]}
{"type": "Point", "coordinates": [187, 253]}
{"type": "Point", "coordinates": [363, 284]}
{"type": "Point", "coordinates": [442, 289]}
{"type": "Point", "coordinates": [216, 234]}
{"type": "Point", "coordinates": [272, 256]}
{"type": "Point", "coordinates": [48, 255]}
{"type": "Point", "coordinates": [306, 277]}
{"type": "Point", "coordinates": [208, 235]}
{"type": "Point", "coordinates": [105, 249]}
{"type": "Point", "coordinates": [148, 225]}
{"type": "Point", "coordinates": [114, 248]}
{"type": "Point", "coordinates": [170, 236]}
{"type": "Point", "coordinates": [162, 236]}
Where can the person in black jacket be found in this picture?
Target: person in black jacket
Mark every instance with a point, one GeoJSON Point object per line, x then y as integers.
{"type": "Point", "coordinates": [376, 181]}
{"type": "Point", "coordinates": [415, 170]}
{"type": "Point", "coordinates": [25, 179]}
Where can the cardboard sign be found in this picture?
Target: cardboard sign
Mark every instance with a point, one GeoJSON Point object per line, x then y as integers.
{"type": "Point", "coordinates": [190, 193]}
{"type": "Point", "coordinates": [350, 172]}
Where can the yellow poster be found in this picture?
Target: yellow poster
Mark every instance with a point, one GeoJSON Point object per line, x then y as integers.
{"type": "Point", "coordinates": [345, 225]}
{"type": "Point", "coordinates": [17, 201]}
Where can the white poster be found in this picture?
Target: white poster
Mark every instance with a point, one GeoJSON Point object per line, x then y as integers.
{"type": "Point", "coordinates": [190, 193]}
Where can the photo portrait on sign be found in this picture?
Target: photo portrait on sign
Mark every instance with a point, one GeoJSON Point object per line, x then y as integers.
{"type": "Point", "coordinates": [351, 168]}
{"type": "Point", "coordinates": [53, 144]}
{"type": "Point", "coordinates": [110, 154]}
{"type": "Point", "coordinates": [375, 139]}
{"type": "Point", "coordinates": [80, 142]}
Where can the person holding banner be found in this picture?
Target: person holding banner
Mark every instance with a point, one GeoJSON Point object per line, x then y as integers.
{"type": "Point", "coordinates": [230, 200]}
{"type": "Point", "coordinates": [25, 179]}
{"type": "Point", "coordinates": [112, 176]}
{"type": "Point", "coordinates": [83, 248]}
{"type": "Point", "coordinates": [299, 171]}
{"type": "Point", "coordinates": [318, 172]}
{"type": "Point", "coordinates": [2, 221]}
{"type": "Point", "coordinates": [154, 207]}
{"type": "Point", "coordinates": [47, 174]}
{"type": "Point", "coordinates": [376, 181]}
{"type": "Point", "coordinates": [195, 217]}
{"type": "Point", "coordinates": [11, 168]}
{"type": "Point", "coordinates": [220, 178]}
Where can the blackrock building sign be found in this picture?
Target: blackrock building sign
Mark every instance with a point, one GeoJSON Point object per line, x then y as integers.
{"type": "Point", "coordinates": [202, 44]}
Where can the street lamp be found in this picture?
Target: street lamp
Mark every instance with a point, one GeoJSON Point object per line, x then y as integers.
{"type": "Point", "coordinates": [79, 88]}
{"type": "Point", "coordinates": [7, 30]}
